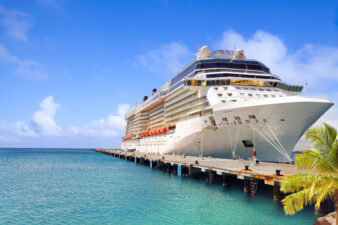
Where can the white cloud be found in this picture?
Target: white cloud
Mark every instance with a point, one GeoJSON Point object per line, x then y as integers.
{"type": "Point", "coordinates": [167, 59]}
{"type": "Point", "coordinates": [42, 124]}
{"type": "Point", "coordinates": [10, 132]}
{"type": "Point", "coordinates": [43, 119]}
{"type": "Point", "coordinates": [111, 126]}
{"type": "Point", "coordinates": [316, 64]}
{"type": "Point", "coordinates": [16, 23]}
{"type": "Point", "coordinates": [23, 67]}
{"type": "Point", "coordinates": [45, 130]}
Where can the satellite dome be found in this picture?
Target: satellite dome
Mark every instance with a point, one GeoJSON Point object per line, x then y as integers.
{"type": "Point", "coordinates": [203, 53]}
{"type": "Point", "coordinates": [239, 54]}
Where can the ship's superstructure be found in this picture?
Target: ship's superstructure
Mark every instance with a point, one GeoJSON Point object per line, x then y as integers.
{"type": "Point", "coordinates": [222, 104]}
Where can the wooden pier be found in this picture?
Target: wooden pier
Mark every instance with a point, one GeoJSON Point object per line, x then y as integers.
{"type": "Point", "coordinates": [249, 171]}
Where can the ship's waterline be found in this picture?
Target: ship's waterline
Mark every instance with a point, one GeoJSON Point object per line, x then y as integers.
{"type": "Point", "coordinates": [225, 107]}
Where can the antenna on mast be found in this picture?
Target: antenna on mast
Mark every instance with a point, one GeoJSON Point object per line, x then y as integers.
{"type": "Point", "coordinates": [234, 56]}
{"type": "Point", "coordinates": [305, 87]}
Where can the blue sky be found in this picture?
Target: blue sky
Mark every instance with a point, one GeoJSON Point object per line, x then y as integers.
{"type": "Point", "coordinates": [69, 69]}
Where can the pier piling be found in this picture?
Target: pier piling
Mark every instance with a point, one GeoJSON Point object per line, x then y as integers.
{"type": "Point", "coordinates": [211, 168]}
{"type": "Point", "coordinates": [226, 178]}
{"type": "Point", "coordinates": [209, 176]}
{"type": "Point", "coordinates": [246, 185]}
{"type": "Point", "coordinates": [278, 195]}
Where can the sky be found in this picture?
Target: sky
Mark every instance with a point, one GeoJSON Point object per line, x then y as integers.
{"type": "Point", "coordinates": [69, 70]}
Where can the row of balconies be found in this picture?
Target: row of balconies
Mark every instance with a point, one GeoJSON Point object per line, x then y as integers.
{"type": "Point", "coordinates": [179, 97]}
{"type": "Point", "coordinates": [192, 110]}
{"type": "Point", "coordinates": [157, 111]}
{"type": "Point", "coordinates": [181, 102]}
{"type": "Point", "coordinates": [185, 107]}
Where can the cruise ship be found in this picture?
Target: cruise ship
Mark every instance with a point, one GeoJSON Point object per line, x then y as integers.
{"type": "Point", "coordinates": [223, 105]}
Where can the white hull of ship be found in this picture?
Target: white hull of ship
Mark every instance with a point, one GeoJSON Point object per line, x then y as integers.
{"type": "Point", "coordinates": [278, 126]}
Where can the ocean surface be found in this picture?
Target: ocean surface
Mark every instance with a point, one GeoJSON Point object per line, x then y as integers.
{"type": "Point", "coordinates": [68, 186]}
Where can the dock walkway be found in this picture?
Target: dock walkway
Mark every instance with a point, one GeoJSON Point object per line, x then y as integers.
{"type": "Point", "coordinates": [249, 171]}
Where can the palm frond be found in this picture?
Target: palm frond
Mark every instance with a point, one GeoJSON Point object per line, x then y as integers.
{"type": "Point", "coordinates": [318, 138]}
{"type": "Point", "coordinates": [297, 182]}
{"type": "Point", "coordinates": [314, 162]}
{"type": "Point", "coordinates": [296, 201]}
{"type": "Point", "coordinates": [333, 154]}
{"type": "Point", "coordinates": [331, 134]}
{"type": "Point", "coordinates": [319, 167]}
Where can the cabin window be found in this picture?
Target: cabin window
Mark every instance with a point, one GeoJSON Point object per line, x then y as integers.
{"type": "Point", "coordinates": [234, 100]}
{"type": "Point", "coordinates": [252, 117]}
{"type": "Point", "coordinates": [229, 94]}
{"type": "Point", "coordinates": [248, 143]}
{"type": "Point", "coordinates": [225, 88]}
{"type": "Point", "coordinates": [216, 88]}
{"type": "Point", "coordinates": [219, 94]}
{"type": "Point", "coordinates": [250, 95]}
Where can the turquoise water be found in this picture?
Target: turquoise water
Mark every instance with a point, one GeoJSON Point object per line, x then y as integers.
{"type": "Point", "coordinates": [61, 186]}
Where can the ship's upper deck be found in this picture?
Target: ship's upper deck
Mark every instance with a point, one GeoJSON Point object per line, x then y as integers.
{"type": "Point", "coordinates": [218, 64]}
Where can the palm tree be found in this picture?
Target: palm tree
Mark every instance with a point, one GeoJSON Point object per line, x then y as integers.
{"type": "Point", "coordinates": [318, 172]}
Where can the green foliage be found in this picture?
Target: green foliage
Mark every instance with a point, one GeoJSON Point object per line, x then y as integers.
{"type": "Point", "coordinates": [318, 171]}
